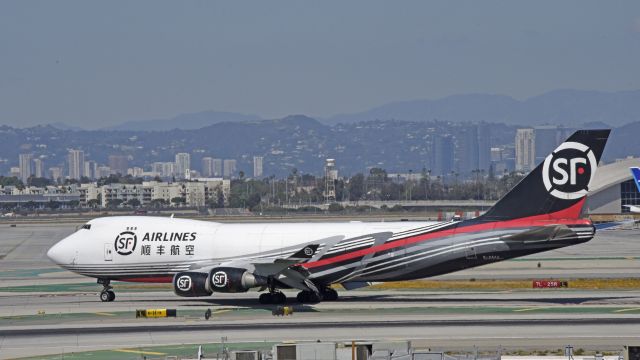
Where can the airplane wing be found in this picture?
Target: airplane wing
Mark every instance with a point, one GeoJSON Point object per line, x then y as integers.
{"type": "Point", "coordinates": [286, 270]}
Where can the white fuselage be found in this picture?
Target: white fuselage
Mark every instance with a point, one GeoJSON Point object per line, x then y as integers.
{"type": "Point", "coordinates": [123, 247]}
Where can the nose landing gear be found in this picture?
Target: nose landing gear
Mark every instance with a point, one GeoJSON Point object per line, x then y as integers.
{"type": "Point", "coordinates": [107, 294]}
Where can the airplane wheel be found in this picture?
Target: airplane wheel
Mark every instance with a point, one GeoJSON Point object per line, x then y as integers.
{"type": "Point", "coordinates": [308, 297]}
{"type": "Point", "coordinates": [329, 294]}
{"type": "Point", "coordinates": [265, 298]}
{"type": "Point", "coordinates": [104, 296]}
{"type": "Point", "coordinates": [112, 295]}
{"type": "Point", "coordinates": [279, 298]}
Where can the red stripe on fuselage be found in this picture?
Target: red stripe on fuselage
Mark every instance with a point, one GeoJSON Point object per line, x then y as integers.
{"type": "Point", "coordinates": [568, 216]}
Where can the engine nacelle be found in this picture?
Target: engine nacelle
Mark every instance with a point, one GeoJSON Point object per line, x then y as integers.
{"type": "Point", "coordinates": [233, 280]}
{"type": "Point", "coordinates": [191, 284]}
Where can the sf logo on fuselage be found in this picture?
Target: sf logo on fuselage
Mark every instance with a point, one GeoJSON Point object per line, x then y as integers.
{"type": "Point", "coordinates": [219, 279]}
{"type": "Point", "coordinates": [125, 243]}
{"type": "Point", "coordinates": [567, 172]}
{"type": "Point", "coordinates": [184, 283]}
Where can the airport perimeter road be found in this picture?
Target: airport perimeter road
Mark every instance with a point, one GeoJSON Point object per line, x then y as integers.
{"type": "Point", "coordinates": [608, 334]}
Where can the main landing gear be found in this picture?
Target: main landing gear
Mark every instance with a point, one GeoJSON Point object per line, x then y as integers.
{"type": "Point", "coordinates": [107, 294]}
{"type": "Point", "coordinates": [326, 294]}
{"type": "Point", "coordinates": [275, 297]}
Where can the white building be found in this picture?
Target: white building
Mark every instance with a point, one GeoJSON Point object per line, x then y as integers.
{"type": "Point", "coordinates": [89, 192]}
{"type": "Point", "coordinates": [207, 166]}
{"type": "Point", "coordinates": [183, 165]}
{"type": "Point", "coordinates": [38, 168]}
{"type": "Point", "coordinates": [90, 168]}
{"type": "Point", "coordinates": [24, 163]}
{"type": "Point", "coordinates": [257, 166]}
{"type": "Point", "coordinates": [76, 164]}
{"type": "Point", "coordinates": [229, 168]}
{"type": "Point", "coordinates": [525, 150]}
{"type": "Point", "coordinates": [124, 193]}
{"type": "Point", "coordinates": [217, 168]}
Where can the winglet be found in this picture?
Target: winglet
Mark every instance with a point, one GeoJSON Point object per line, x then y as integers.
{"type": "Point", "coordinates": [636, 176]}
{"type": "Point", "coordinates": [305, 253]}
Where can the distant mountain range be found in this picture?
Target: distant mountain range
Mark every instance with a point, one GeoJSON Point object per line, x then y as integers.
{"type": "Point", "coordinates": [566, 107]}
{"type": "Point", "coordinates": [571, 108]}
{"type": "Point", "coordinates": [185, 121]}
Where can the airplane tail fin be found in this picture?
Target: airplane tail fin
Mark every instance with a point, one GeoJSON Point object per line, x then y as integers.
{"type": "Point", "coordinates": [636, 176]}
{"type": "Point", "coordinates": [556, 188]}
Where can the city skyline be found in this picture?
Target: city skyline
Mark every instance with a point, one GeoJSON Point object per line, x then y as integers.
{"type": "Point", "coordinates": [457, 154]}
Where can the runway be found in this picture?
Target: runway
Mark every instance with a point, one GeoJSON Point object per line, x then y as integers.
{"type": "Point", "coordinates": [44, 310]}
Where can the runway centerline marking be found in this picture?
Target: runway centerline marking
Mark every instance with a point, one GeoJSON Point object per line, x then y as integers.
{"type": "Point", "coordinates": [139, 352]}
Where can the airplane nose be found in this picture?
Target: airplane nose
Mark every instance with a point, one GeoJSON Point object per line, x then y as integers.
{"type": "Point", "coordinates": [57, 253]}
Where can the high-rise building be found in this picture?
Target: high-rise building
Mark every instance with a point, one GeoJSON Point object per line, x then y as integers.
{"type": "Point", "coordinates": [442, 153]}
{"type": "Point", "coordinates": [119, 164]}
{"type": "Point", "coordinates": [467, 154]}
{"type": "Point", "coordinates": [76, 164]}
{"type": "Point", "coordinates": [547, 138]}
{"type": "Point", "coordinates": [168, 169]}
{"type": "Point", "coordinates": [257, 166]}
{"type": "Point", "coordinates": [90, 168]}
{"type": "Point", "coordinates": [229, 168]}
{"type": "Point", "coordinates": [103, 171]}
{"type": "Point", "coordinates": [183, 165]}
{"type": "Point", "coordinates": [26, 171]}
{"type": "Point", "coordinates": [38, 168]}
{"type": "Point", "coordinates": [330, 177]}
{"type": "Point", "coordinates": [217, 167]}
{"type": "Point", "coordinates": [484, 146]}
{"type": "Point", "coordinates": [207, 167]}
{"type": "Point", "coordinates": [525, 149]}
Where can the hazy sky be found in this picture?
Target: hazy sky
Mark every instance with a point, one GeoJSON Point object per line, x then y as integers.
{"type": "Point", "coordinates": [100, 63]}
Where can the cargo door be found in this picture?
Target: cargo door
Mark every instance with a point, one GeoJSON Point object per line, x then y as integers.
{"type": "Point", "coordinates": [108, 252]}
{"type": "Point", "coordinates": [470, 252]}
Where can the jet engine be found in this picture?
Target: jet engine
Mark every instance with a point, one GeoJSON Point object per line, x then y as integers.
{"type": "Point", "coordinates": [191, 284]}
{"type": "Point", "coordinates": [233, 280]}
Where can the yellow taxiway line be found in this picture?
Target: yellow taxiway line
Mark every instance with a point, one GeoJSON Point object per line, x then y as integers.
{"type": "Point", "coordinates": [139, 352]}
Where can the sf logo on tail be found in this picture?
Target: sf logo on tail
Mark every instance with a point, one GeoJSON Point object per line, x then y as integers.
{"type": "Point", "coordinates": [567, 172]}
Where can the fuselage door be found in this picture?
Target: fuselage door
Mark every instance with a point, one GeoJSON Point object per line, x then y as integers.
{"type": "Point", "coordinates": [108, 252]}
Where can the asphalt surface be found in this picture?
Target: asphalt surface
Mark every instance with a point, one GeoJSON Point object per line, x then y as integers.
{"type": "Point", "coordinates": [44, 310]}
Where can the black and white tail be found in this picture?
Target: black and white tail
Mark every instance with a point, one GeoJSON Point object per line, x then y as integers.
{"type": "Point", "coordinates": [557, 187]}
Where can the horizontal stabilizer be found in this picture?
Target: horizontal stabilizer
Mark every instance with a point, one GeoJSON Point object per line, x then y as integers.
{"type": "Point", "coordinates": [545, 233]}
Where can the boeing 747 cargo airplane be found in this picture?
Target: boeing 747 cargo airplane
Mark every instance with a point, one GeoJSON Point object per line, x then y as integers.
{"type": "Point", "coordinates": [541, 213]}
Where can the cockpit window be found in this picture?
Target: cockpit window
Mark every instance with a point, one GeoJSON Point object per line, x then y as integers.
{"type": "Point", "coordinates": [86, 226]}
